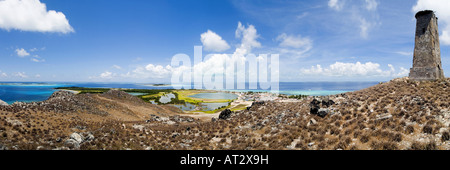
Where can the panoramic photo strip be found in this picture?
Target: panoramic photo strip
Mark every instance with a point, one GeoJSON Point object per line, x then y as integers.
{"type": "Point", "coordinates": [224, 75]}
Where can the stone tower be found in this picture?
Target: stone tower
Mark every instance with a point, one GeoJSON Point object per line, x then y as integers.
{"type": "Point", "coordinates": [427, 53]}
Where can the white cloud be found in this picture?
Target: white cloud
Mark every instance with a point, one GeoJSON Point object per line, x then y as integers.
{"type": "Point", "coordinates": [37, 59]}
{"type": "Point", "coordinates": [294, 41]}
{"type": "Point", "coordinates": [441, 7]}
{"type": "Point", "coordinates": [213, 42]}
{"type": "Point", "coordinates": [150, 71]}
{"type": "Point", "coordinates": [21, 75]}
{"type": "Point", "coordinates": [404, 53]}
{"type": "Point", "coordinates": [158, 70]}
{"type": "Point", "coordinates": [364, 28]}
{"type": "Point", "coordinates": [336, 4]}
{"type": "Point", "coordinates": [303, 15]}
{"type": "Point", "coordinates": [371, 5]}
{"type": "Point", "coordinates": [117, 67]}
{"type": "Point", "coordinates": [2, 74]}
{"type": "Point", "coordinates": [218, 63]}
{"type": "Point", "coordinates": [357, 69]}
{"type": "Point", "coordinates": [22, 52]}
{"type": "Point", "coordinates": [294, 46]}
{"type": "Point", "coordinates": [366, 20]}
{"type": "Point", "coordinates": [249, 37]}
{"type": "Point", "coordinates": [106, 75]}
{"type": "Point", "coordinates": [32, 15]}
{"type": "Point", "coordinates": [37, 76]}
{"type": "Point", "coordinates": [212, 64]}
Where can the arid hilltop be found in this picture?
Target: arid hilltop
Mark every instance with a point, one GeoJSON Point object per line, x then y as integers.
{"type": "Point", "coordinates": [400, 114]}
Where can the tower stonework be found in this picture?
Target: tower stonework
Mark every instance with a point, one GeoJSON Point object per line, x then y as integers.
{"type": "Point", "coordinates": [427, 53]}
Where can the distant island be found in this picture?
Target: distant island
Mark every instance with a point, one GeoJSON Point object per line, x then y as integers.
{"type": "Point", "coordinates": [157, 85]}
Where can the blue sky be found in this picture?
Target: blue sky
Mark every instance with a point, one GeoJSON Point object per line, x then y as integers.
{"type": "Point", "coordinates": [134, 40]}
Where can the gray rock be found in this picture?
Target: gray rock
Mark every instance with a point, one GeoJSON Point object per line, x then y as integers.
{"type": "Point", "coordinates": [89, 137]}
{"type": "Point", "coordinates": [139, 127]}
{"type": "Point", "coordinates": [323, 112]}
{"type": "Point", "coordinates": [225, 114]}
{"type": "Point", "coordinates": [77, 137]}
{"type": "Point", "coordinates": [72, 144]}
{"type": "Point", "coordinates": [314, 107]}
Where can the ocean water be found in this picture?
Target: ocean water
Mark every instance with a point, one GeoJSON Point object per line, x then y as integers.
{"type": "Point", "coordinates": [11, 92]}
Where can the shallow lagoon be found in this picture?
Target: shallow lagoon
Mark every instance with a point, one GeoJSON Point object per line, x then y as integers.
{"type": "Point", "coordinates": [217, 96]}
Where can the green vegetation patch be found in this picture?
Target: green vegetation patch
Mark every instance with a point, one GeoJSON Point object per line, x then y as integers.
{"type": "Point", "coordinates": [181, 96]}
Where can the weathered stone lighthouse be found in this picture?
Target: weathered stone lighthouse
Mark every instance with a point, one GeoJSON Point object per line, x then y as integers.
{"type": "Point", "coordinates": [427, 53]}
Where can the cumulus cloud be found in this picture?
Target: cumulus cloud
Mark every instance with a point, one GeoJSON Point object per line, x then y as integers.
{"type": "Point", "coordinates": [442, 12]}
{"type": "Point", "coordinates": [340, 69]}
{"type": "Point", "coordinates": [21, 75]}
{"type": "Point", "coordinates": [106, 75]}
{"type": "Point", "coordinates": [213, 42]}
{"type": "Point", "coordinates": [249, 40]}
{"type": "Point", "coordinates": [32, 15]}
{"type": "Point", "coordinates": [249, 37]}
{"type": "Point", "coordinates": [22, 52]}
{"type": "Point", "coordinates": [336, 4]}
{"type": "Point", "coordinates": [214, 63]}
{"type": "Point", "coordinates": [150, 71]}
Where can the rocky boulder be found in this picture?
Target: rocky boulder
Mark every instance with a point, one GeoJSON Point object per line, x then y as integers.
{"type": "Point", "coordinates": [327, 102]}
{"type": "Point", "coordinates": [77, 137]}
{"type": "Point", "coordinates": [72, 144]}
{"type": "Point", "coordinates": [314, 107]}
{"type": "Point", "coordinates": [323, 112]}
{"type": "Point", "coordinates": [61, 95]}
{"type": "Point", "coordinates": [225, 114]}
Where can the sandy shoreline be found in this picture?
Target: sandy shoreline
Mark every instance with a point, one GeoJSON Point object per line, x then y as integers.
{"type": "Point", "coordinates": [72, 91]}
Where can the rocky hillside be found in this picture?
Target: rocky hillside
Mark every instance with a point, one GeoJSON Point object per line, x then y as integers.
{"type": "Point", "coordinates": [396, 115]}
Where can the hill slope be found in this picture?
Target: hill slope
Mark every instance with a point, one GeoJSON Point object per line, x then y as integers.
{"type": "Point", "coordinates": [399, 114]}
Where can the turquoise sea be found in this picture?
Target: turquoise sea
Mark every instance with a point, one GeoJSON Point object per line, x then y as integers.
{"type": "Point", "coordinates": [11, 92]}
